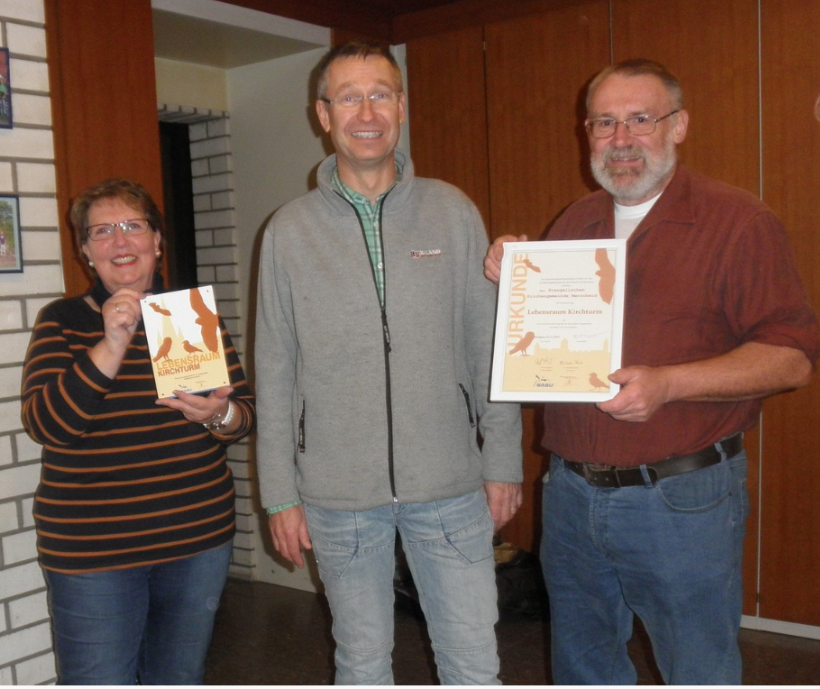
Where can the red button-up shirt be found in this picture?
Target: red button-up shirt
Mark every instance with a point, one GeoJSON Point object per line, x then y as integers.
{"type": "Point", "coordinates": [708, 269]}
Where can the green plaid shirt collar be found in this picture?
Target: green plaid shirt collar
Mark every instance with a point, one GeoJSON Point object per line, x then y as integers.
{"type": "Point", "coordinates": [370, 217]}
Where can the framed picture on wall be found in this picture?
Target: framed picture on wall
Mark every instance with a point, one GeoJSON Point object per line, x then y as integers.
{"type": "Point", "coordinates": [11, 249]}
{"type": "Point", "coordinates": [6, 121]}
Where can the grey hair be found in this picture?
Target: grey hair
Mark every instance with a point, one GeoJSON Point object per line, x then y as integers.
{"type": "Point", "coordinates": [637, 67]}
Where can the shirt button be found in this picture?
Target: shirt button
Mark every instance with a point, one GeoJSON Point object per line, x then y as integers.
{"type": "Point", "coordinates": [380, 266]}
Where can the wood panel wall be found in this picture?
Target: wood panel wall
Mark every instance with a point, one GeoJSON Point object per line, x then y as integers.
{"type": "Point", "coordinates": [451, 111]}
{"type": "Point", "coordinates": [104, 101]}
{"type": "Point", "coordinates": [717, 63]}
{"type": "Point", "coordinates": [537, 67]}
{"type": "Point", "coordinates": [790, 481]}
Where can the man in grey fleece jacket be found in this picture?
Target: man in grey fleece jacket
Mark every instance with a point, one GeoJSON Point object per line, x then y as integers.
{"type": "Point", "coordinates": [374, 338]}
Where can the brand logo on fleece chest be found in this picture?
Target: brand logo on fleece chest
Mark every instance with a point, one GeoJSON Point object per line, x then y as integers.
{"type": "Point", "coordinates": [425, 253]}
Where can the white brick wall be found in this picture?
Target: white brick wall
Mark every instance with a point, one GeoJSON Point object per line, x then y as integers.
{"type": "Point", "coordinates": [18, 480]}
{"type": "Point", "coordinates": [27, 10]}
{"type": "Point", "coordinates": [5, 452]}
{"type": "Point", "coordinates": [26, 40]}
{"type": "Point", "coordinates": [25, 642]}
{"type": "Point", "coordinates": [19, 547]}
{"type": "Point", "coordinates": [20, 579]}
{"type": "Point", "coordinates": [26, 170]}
{"type": "Point", "coordinates": [11, 315]}
{"type": "Point", "coordinates": [37, 670]}
{"type": "Point", "coordinates": [10, 381]}
{"type": "Point", "coordinates": [13, 346]}
{"type": "Point", "coordinates": [8, 517]}
{"type": "Point", "coordinates": [32, 608]}
{"type": "Point", "coordinates": [37, 178]}
{"type": "Point", "coordinates": [6, 181]}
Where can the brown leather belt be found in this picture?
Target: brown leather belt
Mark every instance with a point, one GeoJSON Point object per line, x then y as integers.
{"type": "Point", "coordinates": [607, 476]}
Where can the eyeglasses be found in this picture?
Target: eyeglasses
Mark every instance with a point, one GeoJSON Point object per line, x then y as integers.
{"type": "Point", "coordinates": [128, 227]}
{"type": "Point", "coordinates": [377, 100]}
{"type": "Point", "coordinates": [639, 125]}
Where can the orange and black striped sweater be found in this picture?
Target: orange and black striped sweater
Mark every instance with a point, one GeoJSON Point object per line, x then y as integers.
{"type": "Point", "coordinates": [124, 482]}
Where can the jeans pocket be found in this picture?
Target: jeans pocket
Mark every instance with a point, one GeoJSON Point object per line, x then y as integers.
{"type": "Point", "coordinates": [474, 542]}
{"type": "Point", "coordinates": [555, 469]}
{"type": "Point", "coordinates": [334, 537]}
{"type": "Point", "coordinates": [696, 491]}
{"type": "Point", "coordinates": [333, 559]}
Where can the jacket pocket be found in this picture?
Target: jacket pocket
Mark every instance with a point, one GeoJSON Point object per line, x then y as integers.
{"type": "Point", "coordinates": [301, 442]}
{"type": "Point", "coordinates": [470, 414]}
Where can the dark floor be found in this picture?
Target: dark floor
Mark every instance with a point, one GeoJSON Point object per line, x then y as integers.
{"type": "Point", "coordinates": [268, 634]}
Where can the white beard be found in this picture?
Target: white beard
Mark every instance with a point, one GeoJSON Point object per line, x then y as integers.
{"type": "Point", "coordinates": [629, 185]}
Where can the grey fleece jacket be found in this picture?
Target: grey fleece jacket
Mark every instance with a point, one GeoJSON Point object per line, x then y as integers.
{"type": "Point", "coordinates": [331, 401]}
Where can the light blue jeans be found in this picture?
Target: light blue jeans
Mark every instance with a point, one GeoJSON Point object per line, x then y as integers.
{"type": "Point", "coordinates": [670, 553]}
{"type": "Point", "coordinates": [448, 545]}
{"type": "Point", "coordinates": [148, 624]}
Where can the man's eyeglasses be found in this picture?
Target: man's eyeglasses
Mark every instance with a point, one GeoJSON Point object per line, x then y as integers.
{"type": "Point", "coordinates": [128, 227]}
{"type": "Point", "coordinates": [639, 125]}
{"type": "Point", "coordinates": [377, 100]}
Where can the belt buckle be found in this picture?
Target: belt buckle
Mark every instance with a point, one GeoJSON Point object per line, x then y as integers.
{"type": "Point", "coordinates": [599, 475]}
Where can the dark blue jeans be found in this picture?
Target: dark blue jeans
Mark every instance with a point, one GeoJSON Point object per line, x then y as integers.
{"type": "Point", "coordinates": [670, 553]}
{"type": "Point", "coordinates": [149, 624]}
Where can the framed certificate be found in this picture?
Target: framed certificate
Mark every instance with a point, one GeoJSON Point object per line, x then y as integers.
{"type": "Point", "coordinates": [559, 322]}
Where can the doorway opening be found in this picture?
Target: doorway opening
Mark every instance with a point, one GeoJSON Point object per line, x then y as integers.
{"type": "Point", "coordinates": [178, 198]}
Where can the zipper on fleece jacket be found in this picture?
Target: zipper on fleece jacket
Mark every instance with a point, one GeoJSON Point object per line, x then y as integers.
{"type": "Point", "coordinates": [385, 342]}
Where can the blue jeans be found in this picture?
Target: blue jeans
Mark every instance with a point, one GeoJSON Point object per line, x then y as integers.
{"type": "Point", "coordinates": [670, 553]}
{"type": "Point", "coordinates": [448, 545]}
{"type": "Point", "coordinates": [148, 624]}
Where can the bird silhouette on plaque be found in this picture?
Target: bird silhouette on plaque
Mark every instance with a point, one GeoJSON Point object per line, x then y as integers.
{"type": "Point", "coordinates": [523, 344]}
{"type": "Point", "coordinates": [596, 382]}
{"type": "Point", "coordinates": [606, 275]}
{"type": "Point", "coordinates": [207, 320]}
{"type": "Point", "coordinates": [164, 348]}
{"type": "Point", "coordinates": [159, 309]}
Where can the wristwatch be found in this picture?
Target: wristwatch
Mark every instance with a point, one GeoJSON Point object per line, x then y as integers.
{"type": "Point", "coordinates": [218, 423]}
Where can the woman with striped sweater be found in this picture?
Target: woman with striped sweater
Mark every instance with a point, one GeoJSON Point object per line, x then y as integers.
{"type": "Point", "coordinates": [135, 507]}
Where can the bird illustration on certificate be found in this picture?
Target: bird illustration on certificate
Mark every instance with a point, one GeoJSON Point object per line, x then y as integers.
{"type": "Point", "coordinates": [185, 341]}
{"type": "Point", "coordinates": [559, 322]}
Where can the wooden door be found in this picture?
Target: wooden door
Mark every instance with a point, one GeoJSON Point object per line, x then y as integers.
{"type": "Point", "coordinates": [712, 48]}
{"type": "Point", "coordinates": [104, 102]}
{"type": "Point", "coordinates": [790, 507]}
